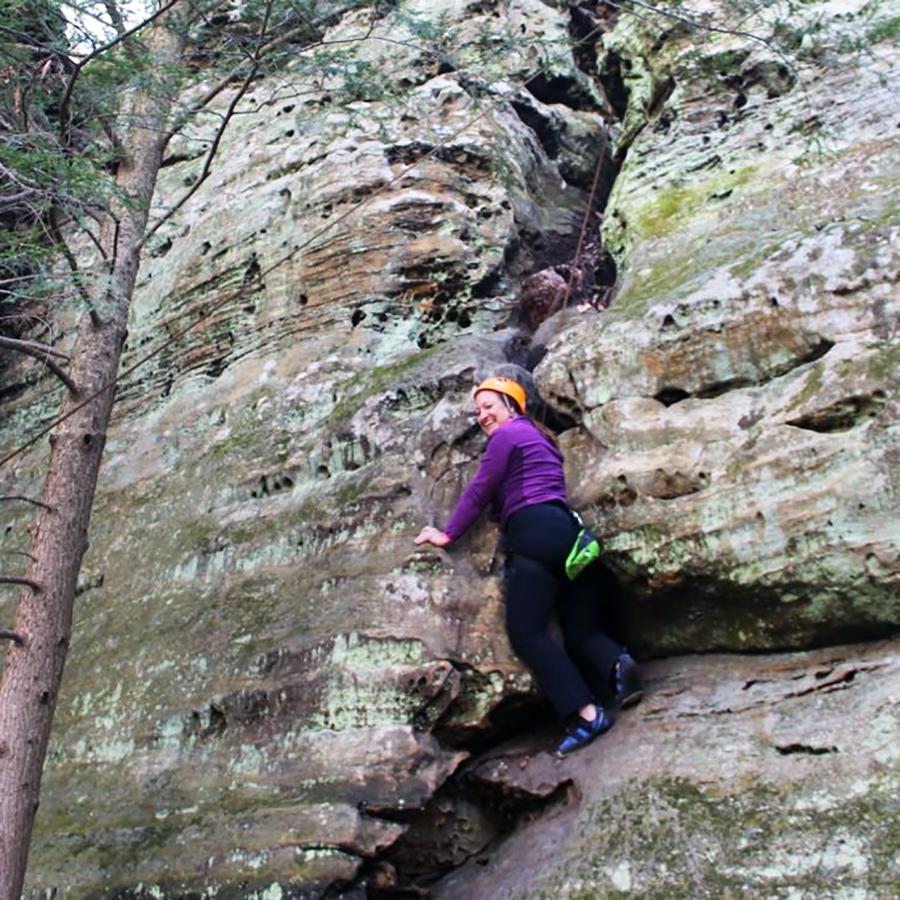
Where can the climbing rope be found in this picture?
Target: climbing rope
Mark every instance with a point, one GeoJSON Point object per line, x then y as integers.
{"type": "Point", "coordinates": [581, 236]}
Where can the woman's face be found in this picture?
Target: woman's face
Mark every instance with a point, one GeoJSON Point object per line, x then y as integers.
{"type": "Point", "coordinates": [491, 411]}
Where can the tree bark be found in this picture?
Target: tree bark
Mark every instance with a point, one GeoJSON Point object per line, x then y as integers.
{"type": "Point", "coordinates": [33, 670]}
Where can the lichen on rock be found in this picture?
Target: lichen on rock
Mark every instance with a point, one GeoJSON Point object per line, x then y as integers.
{"type": "Point", "coordinates": [743, 384]}
{"type": "Point", "coordinates": [271, 692]}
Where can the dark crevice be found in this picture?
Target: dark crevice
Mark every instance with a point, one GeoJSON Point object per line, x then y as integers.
{"type": "Point", "coordinates": [841, 682]}
{"type": "Point", "coordinates": [471, 811]}
{"type": "Point", "coordinates": [89, 584]}
{"type": "Point", "coordinates": [490, 285]}
{"type": "Point", "coordinates": [556, 420]}
{"type": "Point", "coordinates": [793, 749]}
{"type": "Point", "coordinates": [723, 387]}
{"type": "Point", "coordinates": [17, 388]}
{"type": "Point", "coordinates": [216, 367]}
{"type": "Point", "coordinates": [162, 249]}
{"type": "Point", "coordinates": [468, 816]}
{"type": "Point", "coordinates": [588, 22]}
{"type": "Point", "coordinates": [213, 725]}
{"type": "Point", "coordinates": [840, 417]}
{"type": "Point", "coordinates": [661, 92]}
{"type": "Point", "coordinates": [613, 81]}
{"type": "Point", "coordinates": [540, 125]}
{"type": "Point", "coordinates": [822, 346]}
{"type": "Point", "coordinates": [513, 716]}
{"type": "Point", "coordinates": [177, 158]}
{"type": "Point", "coordinates": [469, 160]}
{"type": "Point", "coordinates": [843, 415]}
{"type": "Point", "coordinates": [669, 396]}
{"type": "Point", "coordinates": [562, 89]}
{"type": "Point", "coordinates": [465, 819]}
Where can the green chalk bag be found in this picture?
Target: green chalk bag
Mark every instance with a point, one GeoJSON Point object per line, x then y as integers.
{"type": "Point", "coordinates": [585, 550]}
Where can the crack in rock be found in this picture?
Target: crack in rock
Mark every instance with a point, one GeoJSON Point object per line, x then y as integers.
{"type": "Point", "coordinates": [792, 749]}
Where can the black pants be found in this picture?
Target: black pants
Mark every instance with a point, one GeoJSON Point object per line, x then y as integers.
{"type": "Point", "coordinates": [540, 538]}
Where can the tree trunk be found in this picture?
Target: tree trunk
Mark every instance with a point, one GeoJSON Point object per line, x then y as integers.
{"type": "Point", "coordinates": [33, 671]}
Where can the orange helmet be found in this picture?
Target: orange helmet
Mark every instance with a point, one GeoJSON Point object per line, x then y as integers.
{"type": "Point", "coordinates": [503, 385]}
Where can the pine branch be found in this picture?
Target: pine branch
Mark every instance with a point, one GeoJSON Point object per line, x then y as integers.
{"type": "Point", "coordinates": [223, 83]}
{"type": "Point", "coordinates": [99, 51]}
{"type": "Point", "coordinates": [14, 636]}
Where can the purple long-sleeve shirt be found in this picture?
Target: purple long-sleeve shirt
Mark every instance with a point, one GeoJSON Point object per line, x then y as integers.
{"type": "Point", "coordinates": [520, 467]}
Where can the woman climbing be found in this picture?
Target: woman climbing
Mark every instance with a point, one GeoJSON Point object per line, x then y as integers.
{"type": "Point", "coordinates": [521, 477]}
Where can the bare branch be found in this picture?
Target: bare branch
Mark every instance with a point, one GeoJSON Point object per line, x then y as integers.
{"type": "Point", "coordinates": [95, 241]}
{"type": "Point", "coordinates": [14, 636]}
{"type": "Point", "coordinates": [230, 297]}
{"type": "Point", "coordinates": [19, 553]}
{"type": "Point", "coordinates": [31, 345]}
{"type": "Point", "coordinates": [26, 500]}
{"type": "Point", "coordinates": [27, 582]}
{"type": "Point", "coordinates": [210, 156]}
{"type": "Point", "coordinates": [40, 353]}
{"type": "Point", "coordinates": [312, 26]}
{"type": "Point", "coordinates": [223, 83]}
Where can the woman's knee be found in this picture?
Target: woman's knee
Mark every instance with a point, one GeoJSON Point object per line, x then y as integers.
{"type": "Point", "coordinates": [522, 639]}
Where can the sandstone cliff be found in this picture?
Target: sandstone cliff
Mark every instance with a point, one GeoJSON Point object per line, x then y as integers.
{"type": "Point", "coordinates": [272, 693]}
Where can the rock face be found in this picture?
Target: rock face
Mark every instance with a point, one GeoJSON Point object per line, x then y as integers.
{"type": "Point", "coordinates": [740, 396]}
{"type": "Point", "coordinates": [732, 780]}
{"type": "Point", "coordinates": [272, 693]}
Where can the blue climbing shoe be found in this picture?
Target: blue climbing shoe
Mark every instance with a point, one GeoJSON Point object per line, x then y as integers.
{"type": "Point", "coordinates": [629, 684]}
{"type": "Point", "coordinates": [581, 732]}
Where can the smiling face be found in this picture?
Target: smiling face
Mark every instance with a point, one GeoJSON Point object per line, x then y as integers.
{"type": "Point", "coordinates": [491, 411]}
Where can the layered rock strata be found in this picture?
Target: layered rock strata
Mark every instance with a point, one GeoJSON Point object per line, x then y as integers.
{"type": "Point", "coordinates": [738, 403]}
{"type": "Point", "coordinates": [268, 683]}
{"type": "Point", "coordinates": [765, 776]}
{"type": "Point", "coordinates": [261, 654]}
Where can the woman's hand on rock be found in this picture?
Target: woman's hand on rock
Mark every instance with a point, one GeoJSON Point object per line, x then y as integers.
{"type": "Point", "coordinates": [431, 535]}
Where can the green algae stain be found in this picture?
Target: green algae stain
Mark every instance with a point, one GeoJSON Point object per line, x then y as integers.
{"type": "Point", "coordinates": [811, 387]}
{"type": "Point", "coordinates": [662, 279]}
{"type": "Point", "coordinates": [760, 252]}
{"type": "Point", "coordinates": [888, 30]}
{"type": "Point", "coordinates": [882, 364]}
{"type": "Point", "coordinates": [355, 391]}
{"type": "Point", "coordinates": [352, 490]}
{"type": "Point", "coordinates": [676, 204]}
{"type": "Point", "coordinates": [357, 652]}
